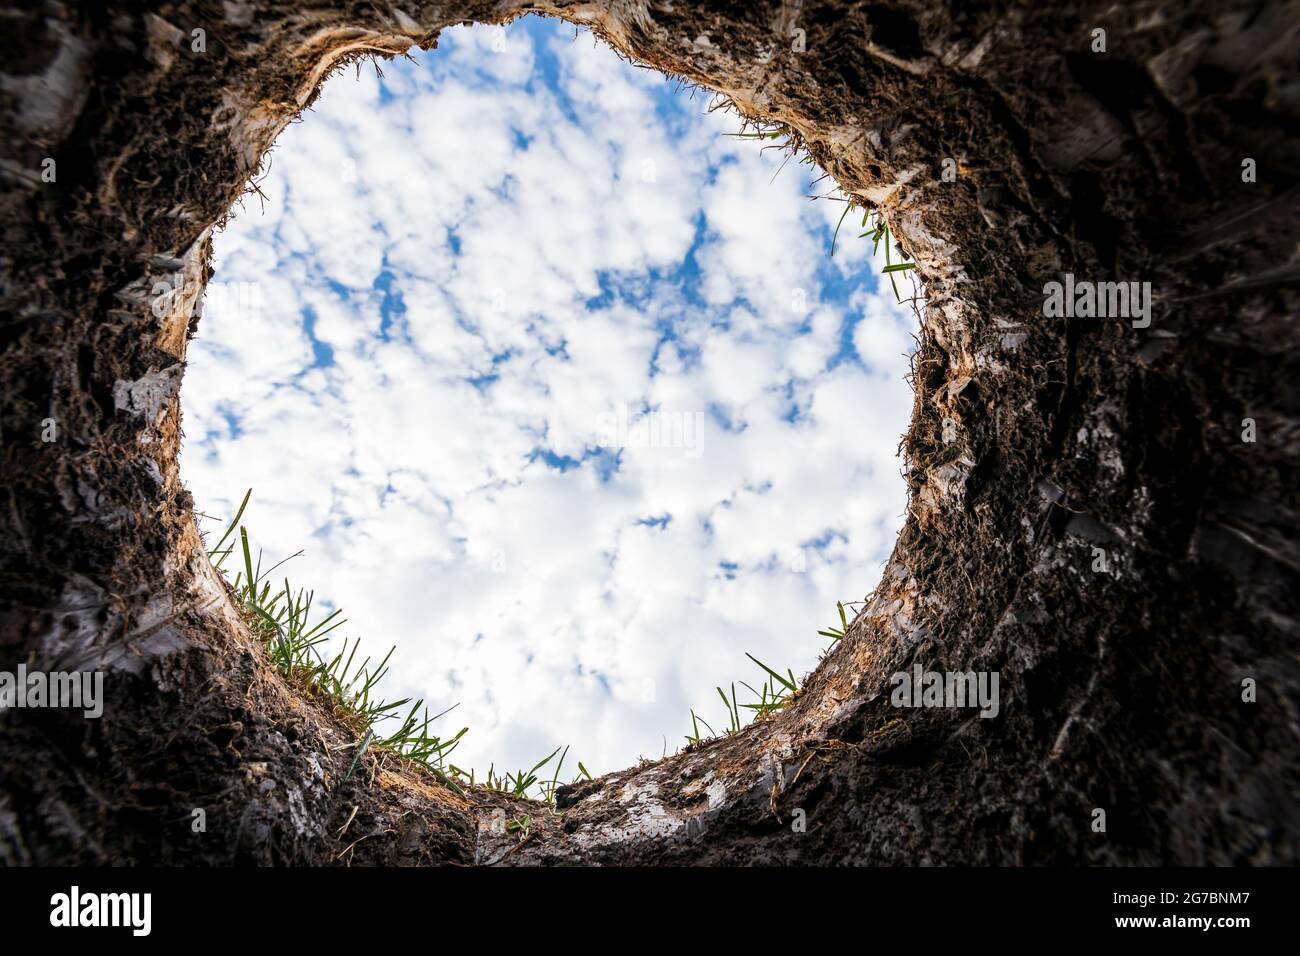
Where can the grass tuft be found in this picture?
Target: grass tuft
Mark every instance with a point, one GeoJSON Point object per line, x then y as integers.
{"type": "Point", "coordinates": [837, 633]}
{"type": "Point", "coordinates": [282, 617]}
{"type": "Point", "coordinates": [776, 692]}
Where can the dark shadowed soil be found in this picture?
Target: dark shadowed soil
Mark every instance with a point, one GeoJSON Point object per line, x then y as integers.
{"type": "Point", "coordinates": [1071, 444]}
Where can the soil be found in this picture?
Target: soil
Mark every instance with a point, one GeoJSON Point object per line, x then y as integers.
{"type": "Point", "coordinates": [1071, 438]}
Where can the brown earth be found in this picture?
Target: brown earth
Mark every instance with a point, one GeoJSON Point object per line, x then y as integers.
{"type": "Point", "coordinates": [1120, 690]}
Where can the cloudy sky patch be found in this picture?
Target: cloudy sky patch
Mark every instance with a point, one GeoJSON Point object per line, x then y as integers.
{"type": "Point", "coordinates": [557, 387]}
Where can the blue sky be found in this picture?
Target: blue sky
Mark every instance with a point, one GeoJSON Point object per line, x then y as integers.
{"type": "Point", "coordinates": [558, 388]}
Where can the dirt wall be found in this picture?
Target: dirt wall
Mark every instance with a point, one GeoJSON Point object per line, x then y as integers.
{"type": "Point", "coordinates": [1007, 151]}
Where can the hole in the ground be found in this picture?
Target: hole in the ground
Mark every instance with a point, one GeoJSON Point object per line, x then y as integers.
{"type": "Point", "coordinates": [558, 390]}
